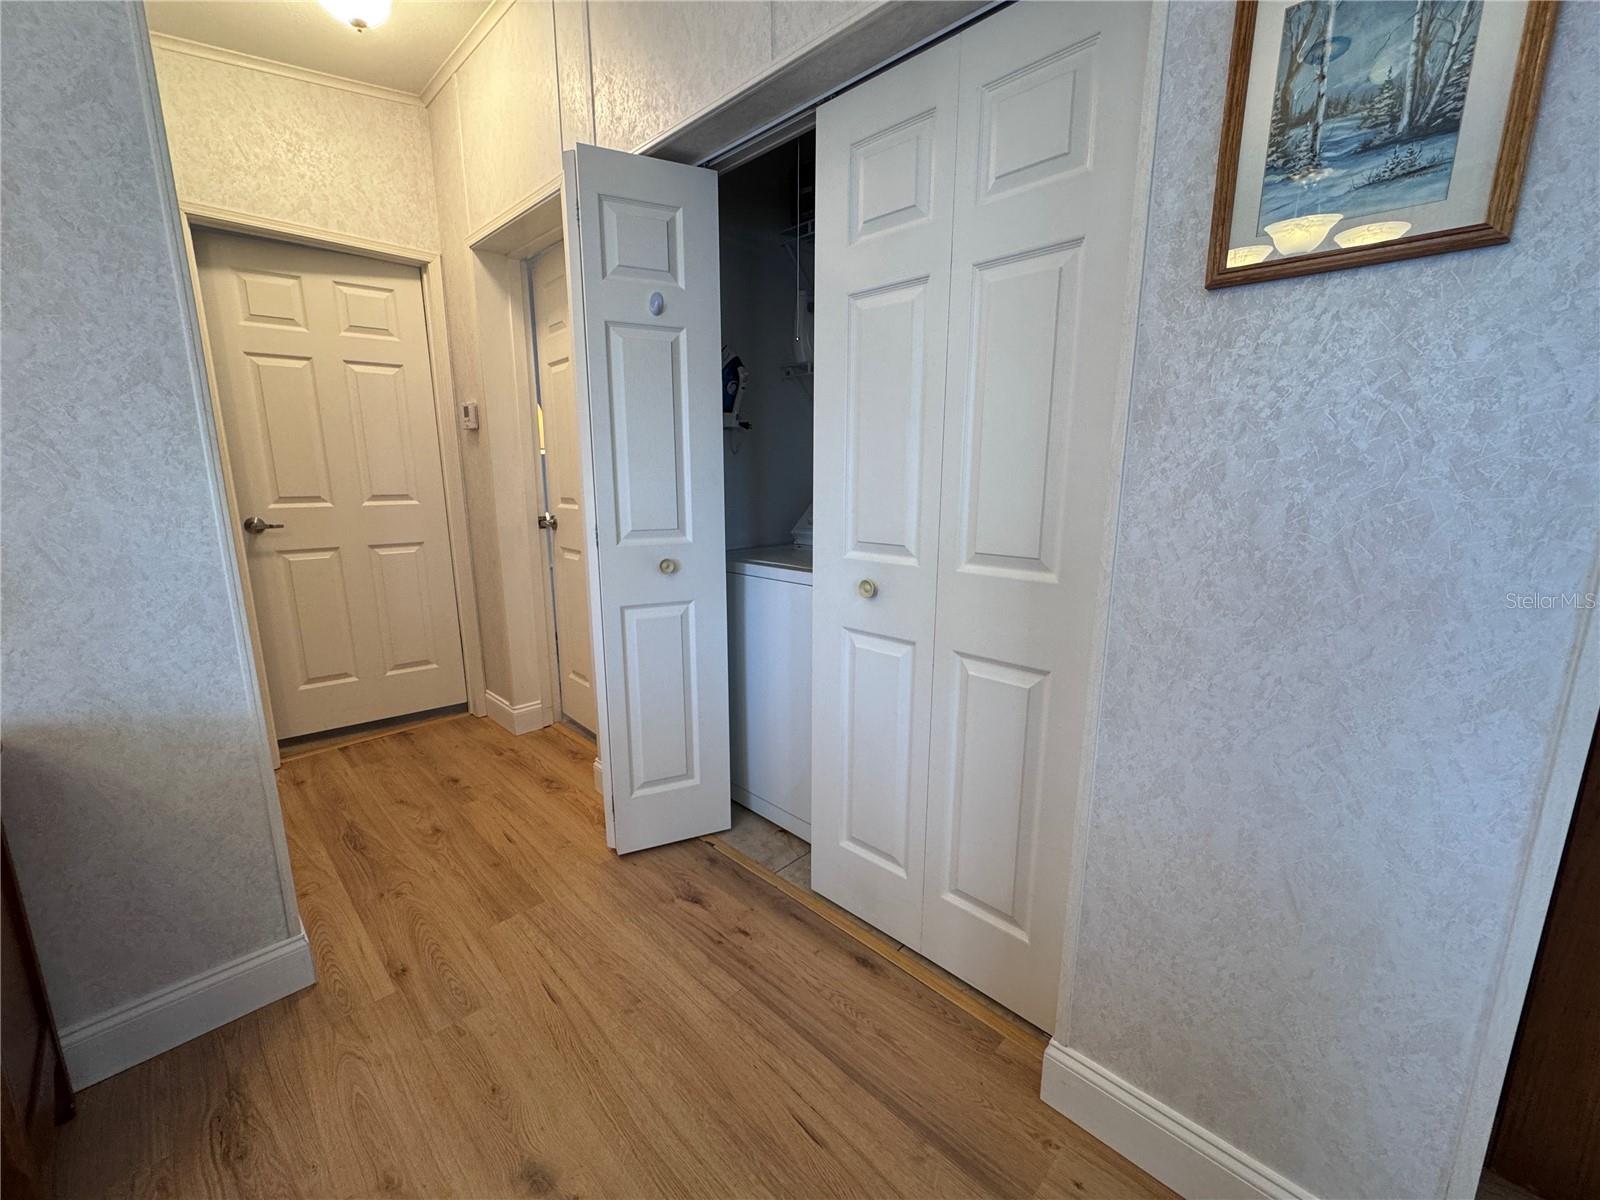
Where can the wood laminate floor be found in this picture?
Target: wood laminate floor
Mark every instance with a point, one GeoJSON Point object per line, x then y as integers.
{"type": "Point", "coordinates": [506, 1008]}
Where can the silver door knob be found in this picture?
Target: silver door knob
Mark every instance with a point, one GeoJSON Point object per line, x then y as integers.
{"type": "Point", "coordinates": [867, 588]}
{"type": "Point", "coordinates": [669, 566]}
{"type": "Point", "coordinates": [257, 525]}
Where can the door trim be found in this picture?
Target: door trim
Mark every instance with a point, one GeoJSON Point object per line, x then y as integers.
{"type": "Point", "coordinates": [206, 217]}
{"type": "Point", "coordinates": [1143, 186]}
{"type": "Point", "coordinates": [1556, 800]}
{"type": "Point", "coordinates": [547, 583]}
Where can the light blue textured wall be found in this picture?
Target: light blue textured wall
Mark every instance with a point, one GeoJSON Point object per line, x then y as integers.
{"type": "Point", "coordinates": [135, 796]}
{"type": "Point", "coordinates": [1322, 728]}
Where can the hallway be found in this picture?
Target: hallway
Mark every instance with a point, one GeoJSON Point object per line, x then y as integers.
{"type": "Point", "coordinates": [504, 1007]}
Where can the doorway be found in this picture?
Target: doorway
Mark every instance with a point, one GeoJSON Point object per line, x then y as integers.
{"type": "Point", "coordinates": [761, 440]}
{"type": "Point", "coordinates": [563, 517]}
{"type": "Point", "coordinates": [1546, 1140]}
{"type": "Point", "coordinates": [324, 386]}
{"type": "Point", "coordinates": [766, 208]}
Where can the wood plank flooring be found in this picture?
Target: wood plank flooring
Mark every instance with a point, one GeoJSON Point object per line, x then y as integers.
{"type": "Point", "coordinates": [506, 1008]}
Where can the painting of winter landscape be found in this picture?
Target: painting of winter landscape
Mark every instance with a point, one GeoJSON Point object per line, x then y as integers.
{"type": "Point", "coordinates": [1367, 107]}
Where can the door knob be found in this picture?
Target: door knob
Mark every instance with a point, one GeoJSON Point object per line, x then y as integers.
{"type": "Point", "coordinates": [867, 588]}
{"type": "Point", "coordinates": [669, 566]}
{"type": "Point", "coordinates": [257, 525]}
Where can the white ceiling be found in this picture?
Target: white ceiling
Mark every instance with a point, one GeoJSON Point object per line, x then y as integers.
{"type": "Point", "coordinates": [402, 53]}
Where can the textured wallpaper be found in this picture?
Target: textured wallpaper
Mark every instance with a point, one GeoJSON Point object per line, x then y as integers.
{"type": "Point", "coordinates": [134, 791]}
{"type": "Point", "coordinates": [278, 147]}
{"type": "Point", "coordinates": [796, 22]}
{"type": "Point", "coordinates": [510, 114]}
{"type": "Point", "coordinates": [655, 64]}
{"type": "Point", "coordinates": [572, 69]}
{"type": "Point", "coordinates": [1323, 727]}
{"type": "Point", "coordinates": [461, 328]}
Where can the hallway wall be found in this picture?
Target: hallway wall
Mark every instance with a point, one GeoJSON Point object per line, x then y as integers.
{"type": "Point", "coordinates": [1324, 730]}
{"type": "Point", "coordinates": [139, 797]}
{"type": "Point", "coordinates": [321, 155]}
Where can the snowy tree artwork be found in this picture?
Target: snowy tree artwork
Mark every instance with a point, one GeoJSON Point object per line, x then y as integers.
{"type": "Point", "coordinates": [1357, 132]}
{"type": "Point", "coordinates": [1367, 105]}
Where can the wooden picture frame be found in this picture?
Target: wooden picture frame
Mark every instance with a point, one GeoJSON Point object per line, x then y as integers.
{"type": "Point", "coordinates": [1494, 228]}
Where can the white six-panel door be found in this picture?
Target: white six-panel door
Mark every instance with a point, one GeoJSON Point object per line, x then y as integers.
{"type": "Point", "coordinates": [569, 540]}
{"type": "Point", "coordinates": [328, 414]}
{"type": "Point", "coordinates": [965, 461]}
{"type": "Point", "coordinates": [1045, 152]}
{"type": "Point", "coordinates": [885, 199]}
{"type": "Point", "coordinates": [642, 256]}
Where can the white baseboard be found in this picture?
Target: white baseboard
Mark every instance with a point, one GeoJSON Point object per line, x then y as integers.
{"type": "Point", "coordinates": [1191, 1160]}
{"type": "Point", "coordinates": [102, 1046]}
{"type": "Point", "coordinates": [599, 776]}
{"type": "Point", "coordinates": [515, 718]}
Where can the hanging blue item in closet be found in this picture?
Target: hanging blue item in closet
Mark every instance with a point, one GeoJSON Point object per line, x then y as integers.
{"type": "Point", "coordinates": [734, 378]}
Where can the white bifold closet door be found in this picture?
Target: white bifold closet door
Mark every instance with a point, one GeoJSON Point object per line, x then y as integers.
{"type": "Point", "coordinates": [1032, 351]}
{"type": "Point", "coordinates": [885, 198]}
{"type": "Point", "coordinates": [641, 238]}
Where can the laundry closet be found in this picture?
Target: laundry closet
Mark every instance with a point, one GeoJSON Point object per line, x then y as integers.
{"type": "Point", "coordinates": [766, 210]}
{"type": "Point", "coordinates": [851, 490]}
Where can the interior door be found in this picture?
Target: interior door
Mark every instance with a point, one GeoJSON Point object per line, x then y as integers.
{"type": "Point", "coordinates": [1049, 122]}
{"type": "Point", "coordinates": [328, 414]}
{"type": "Point", "coordinates": [569, 536]}
{"type": "Point", "coordinates": [642, 257]}
{"type": "Point", "coordinates": [885, 197]}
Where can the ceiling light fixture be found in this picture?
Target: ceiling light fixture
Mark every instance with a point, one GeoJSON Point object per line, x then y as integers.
{"type": "Point", "coordinates": [363, 14]}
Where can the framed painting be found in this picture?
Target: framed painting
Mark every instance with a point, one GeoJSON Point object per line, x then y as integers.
{"type": "Point", "coordinates": [1364, 131]}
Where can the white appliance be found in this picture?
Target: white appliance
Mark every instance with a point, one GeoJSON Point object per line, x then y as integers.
{"type": "Point", "coordinates": [769, 682]}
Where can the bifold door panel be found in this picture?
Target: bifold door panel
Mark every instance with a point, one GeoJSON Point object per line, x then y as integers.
{"type": "Point", "coordinates": [642, 255]}
{"type": "Point", "coordinates": [885, 203]}
{"type": "Point", "coordinates": [330, 428]}
{"type": "Point", "coordinates": [569, 537]}
{"type": "Point", "coordinates": [978, 760]}
{"type": "Point", "coordinates": [1049, 128]}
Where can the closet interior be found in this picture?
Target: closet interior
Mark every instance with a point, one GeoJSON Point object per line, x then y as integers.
{"type": "Point", "coordinates": [767, 259]}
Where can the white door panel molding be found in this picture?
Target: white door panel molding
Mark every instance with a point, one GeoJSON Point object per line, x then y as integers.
{"type": "Point", "coordinates": [642, 257]}
{"type": "Point", "coordinates": [326, 394]}
{"type": "Point", "coordinates": [885, 213]}
{"type": "Point", "coordinates": [976, 207]}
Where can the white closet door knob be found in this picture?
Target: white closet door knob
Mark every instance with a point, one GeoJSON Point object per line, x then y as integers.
{"type": "Point", "coordinates": [669, 566]}
{"type": "Point", "coordinates": [867, 588]}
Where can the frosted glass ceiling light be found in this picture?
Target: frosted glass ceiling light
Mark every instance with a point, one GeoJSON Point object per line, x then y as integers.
{"type": "Point", "coordinates": [363, 14]}
{"type": "Point", "coordinates": [1247, 256]}
{"type": "Point", "coordinates": [1301, 235]}
{"type": "Point", "coordinates": [1371, 235]}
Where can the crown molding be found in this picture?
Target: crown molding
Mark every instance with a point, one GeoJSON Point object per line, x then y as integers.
{"type": "Point", "coordinates": [268, 66]}
{"type": "Point", "coordinates": [487, 20]}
